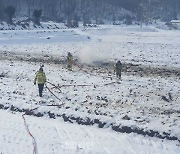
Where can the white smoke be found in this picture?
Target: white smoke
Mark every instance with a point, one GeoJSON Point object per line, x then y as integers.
{"type": "Point", "coordinates": [90, 54]}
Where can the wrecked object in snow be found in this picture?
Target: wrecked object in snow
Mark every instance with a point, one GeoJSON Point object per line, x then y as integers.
{"type": "Point", "coordinates": [165, 99]}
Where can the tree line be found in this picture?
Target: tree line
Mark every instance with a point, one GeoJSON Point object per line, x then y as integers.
{"type": "Point", "coordinates": [165, 10]}
{"type": "Point", "coordinates": [87, 11]}
{"type": "Point", "coordinates": [66, 10]}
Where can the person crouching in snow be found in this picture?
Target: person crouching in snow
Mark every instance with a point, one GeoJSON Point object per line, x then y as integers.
{"type": "Point", "coordinates": [40, 79]}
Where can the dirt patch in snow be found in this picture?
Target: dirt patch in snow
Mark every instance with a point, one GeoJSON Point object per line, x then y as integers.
{"type": "Point", "coordinates": [101, 67]}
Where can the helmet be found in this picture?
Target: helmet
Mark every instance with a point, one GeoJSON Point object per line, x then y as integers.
{"type": "Point", "coordinates": [41, 69]}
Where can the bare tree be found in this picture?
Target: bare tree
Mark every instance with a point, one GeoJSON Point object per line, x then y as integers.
{"type": "Point", "coordinates": [37, 14]}
{"type": "Point", "coordinates": [1, 10]}
{"type": "Point", "coordinates": [10, 11]}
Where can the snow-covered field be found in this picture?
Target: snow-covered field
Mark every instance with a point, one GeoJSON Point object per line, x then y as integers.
{"type": "Point", "coordinates": [130, 44]}
{"type": "Point", "coordinates": [138, 101]}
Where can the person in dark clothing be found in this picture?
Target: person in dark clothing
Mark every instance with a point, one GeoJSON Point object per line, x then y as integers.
{"type": "Point", "coordinates": [40, 87]}
{"type": "Point", "coordinates": [40, 79]}
{"type": "Point", "coordinates": [69, 61]}
{"type": "Point", "coordinates": [118, 69]}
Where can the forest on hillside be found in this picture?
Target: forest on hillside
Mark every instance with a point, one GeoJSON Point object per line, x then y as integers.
{"type": "Point", "coordinates": [98, 11]}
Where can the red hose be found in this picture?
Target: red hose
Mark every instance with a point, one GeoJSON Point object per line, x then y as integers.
{"type": "Point", "coordinates": [34, 141]}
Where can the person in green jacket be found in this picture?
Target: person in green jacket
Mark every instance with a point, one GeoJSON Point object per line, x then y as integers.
{"type": "Point", "coordinates": [69, 61]}
{"type": "Point", "coordinates": [40, 79]}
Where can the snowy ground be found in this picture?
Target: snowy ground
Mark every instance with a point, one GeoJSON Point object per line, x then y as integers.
{"type": "Point", "coordinates": [94, 91]}
{"type": "Point", "coordinates": [55, 137]}
{"type": "Point", "coordinates": [130, 44]}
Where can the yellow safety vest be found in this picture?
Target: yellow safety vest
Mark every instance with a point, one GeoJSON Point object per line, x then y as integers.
{"type": "Point", "coordinates": [40, 77]}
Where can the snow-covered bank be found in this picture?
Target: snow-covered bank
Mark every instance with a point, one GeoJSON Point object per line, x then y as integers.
{"type": "Point", "coordinates": [53, 136]}
{"type": "Point", "coordinates": [26, 25]}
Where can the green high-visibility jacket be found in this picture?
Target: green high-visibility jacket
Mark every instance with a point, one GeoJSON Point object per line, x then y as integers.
{"type": "Point", "coordinates": [40, 77]}
{"type": "Point", "coordinates": [70, 59]}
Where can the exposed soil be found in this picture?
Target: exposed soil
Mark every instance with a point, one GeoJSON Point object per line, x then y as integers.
{"type": "Point", "coordinates": [98, 66]}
